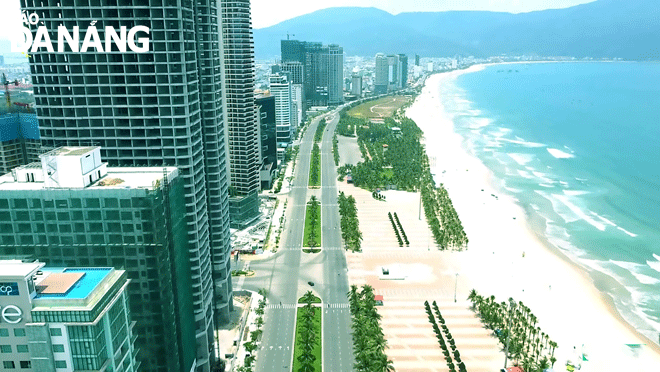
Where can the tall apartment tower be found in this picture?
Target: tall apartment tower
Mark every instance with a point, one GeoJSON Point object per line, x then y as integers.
{"type": "Point", "coordinates": [381, 79]}
{"type": "Point", "coordinates": [402, 72]}
{"type": "Point", "coordinates": [19, 140]}
{"type": "Point", "coordinates": [335, 74]}
{"type": "Point", "coordinates": [160, 107]}
{"type": "Point", "coordinates": [242, 127]}
{"type": "Point", "coordinates": [281, 89]}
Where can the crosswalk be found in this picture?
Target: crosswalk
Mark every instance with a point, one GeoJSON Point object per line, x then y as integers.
{"type": "Point", "coordinates": [293, 306]}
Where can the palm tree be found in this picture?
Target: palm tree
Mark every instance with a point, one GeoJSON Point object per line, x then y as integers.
{"type": "Point", "coordinates": [308, 297]}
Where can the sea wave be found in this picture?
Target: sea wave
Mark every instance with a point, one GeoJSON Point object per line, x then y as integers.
{"type": "Point", "coordinates": [655, 265]}
{"type": "Point", "coordinates": [559, 154]}
{"type": "Point", "coordinates": [636, 270]}
{"type": "Point", "coordinates": [521, 159]}
{"type": "Point", "coordinates": [522, 142]}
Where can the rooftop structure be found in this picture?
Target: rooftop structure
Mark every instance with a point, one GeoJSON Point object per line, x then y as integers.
{"type": "Point", "coordinates": [65, 319]}
{"type": "Point", "coordinates": [131, 217]}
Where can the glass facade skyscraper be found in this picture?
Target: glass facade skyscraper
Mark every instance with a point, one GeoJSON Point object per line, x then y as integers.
{"type": "Point", "coordinates": [243, 158]}
{"type": "Point", "coordinates": [161, 107]}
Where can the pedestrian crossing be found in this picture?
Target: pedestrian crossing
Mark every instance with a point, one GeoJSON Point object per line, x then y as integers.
{"type": "Point", "coordinates": [281, 306]}
{"type": "Point", "coordinates": [293, 306]}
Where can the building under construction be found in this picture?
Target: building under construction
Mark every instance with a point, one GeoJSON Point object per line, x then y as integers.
{"type": "Point", "coordinates": [19, 140]}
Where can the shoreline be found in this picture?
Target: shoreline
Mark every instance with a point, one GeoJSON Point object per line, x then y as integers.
{"type": "Point", "coordinates": [594, 311]}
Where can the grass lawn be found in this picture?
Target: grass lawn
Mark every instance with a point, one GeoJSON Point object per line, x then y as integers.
{"type": "Point", "coordinates": [317, 347]}
{"type": "Point", "coordinates": [308, 226]}
{"type": "Point", "coordinates": [386, 107]}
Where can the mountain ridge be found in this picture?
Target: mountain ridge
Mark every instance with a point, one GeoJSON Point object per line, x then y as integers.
{"type": "Point", "coordinates": [601, 29]}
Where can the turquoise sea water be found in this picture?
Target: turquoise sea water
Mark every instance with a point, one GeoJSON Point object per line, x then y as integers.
{"type": "Point", "coordinates": [578, 144]}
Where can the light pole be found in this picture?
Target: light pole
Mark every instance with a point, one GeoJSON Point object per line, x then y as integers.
{"type": "Point", "coordinates": [455, 285]}
{"type": "Point", "coordinates": [512, 304]}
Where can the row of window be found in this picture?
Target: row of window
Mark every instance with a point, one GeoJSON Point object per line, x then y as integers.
{"type": "Point", "coordinates": [26, 364]}
{"type": "Point", "coordinates": [18, 332]}
{"type": "Point", "coordinates": [7, 349]}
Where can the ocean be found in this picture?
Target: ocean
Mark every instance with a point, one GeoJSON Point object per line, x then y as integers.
{"type": "Point", "coordinates": [578, 145]}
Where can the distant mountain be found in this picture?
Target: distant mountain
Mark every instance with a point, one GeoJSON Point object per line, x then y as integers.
{"type": "Point", "coordinates": [605, 28]}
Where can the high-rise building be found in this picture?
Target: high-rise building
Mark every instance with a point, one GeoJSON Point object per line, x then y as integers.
{"type": "Point", "coordinates": [382, 70]}
{"type": "Point", "coordinates": [19, 140]}
{"type": "Point", "coordinates": [71, 209]}
{"type": "Point", "coordinates": [71, 319]}
{"type": "Point", "coordinates": [160, 107]}
{"type": "Point", "coordinates": [267, 139]}
{"type": "Point", "coordinates": [297, 106]}
{"type": "Point", "coordinates": [335, 74]}
{"type": "Point", "coordinates": [356, 84]}
{"type": "Point", "coordinates": [240, 112]}
{"type": "Point", "coordinates": [295, 68]}
{"type": "Point", "coordinates": [402, 71]}
{"type": "Point", "coordinates": [323, 68]}
{"type": "Point", "coordinates": [281, 89]}
{"type": "Point", "coordinates": [416, 59]}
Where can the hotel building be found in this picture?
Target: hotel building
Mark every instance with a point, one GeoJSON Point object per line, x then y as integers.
{"type": "Point", "coordinates": [65, 319]}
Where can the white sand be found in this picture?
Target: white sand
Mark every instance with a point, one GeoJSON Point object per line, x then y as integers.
{"type": "Point", "coordinates": [563, 297]}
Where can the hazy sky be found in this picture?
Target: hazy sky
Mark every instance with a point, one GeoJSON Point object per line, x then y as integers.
{"type": "Point", "coordinates": [269, 12]}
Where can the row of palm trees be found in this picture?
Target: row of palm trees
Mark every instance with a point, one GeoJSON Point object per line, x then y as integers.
{"type": "Point", "coordinates": [441, 215]}
{"type": "Point", "coordinates": [315, 166]}
{"type": "Point", "coordinates": [396, 230]}
{"type": "Point", "coordinates": [252, 345]}
{"type": "Point", "coordinates": [335, 149]}
{"type": "Point", "coordinates": [441, 340]}
{"type": "Point", "coordinates": [369, 342]}
{"type": "Point", "coordinates": [313, 214]}
{"type": "Point", "coordinates": [318, 135]}
{"type": "Point", "coordinates": [307, 337]}
{"type": "Point", "coordinates": [403, 233]}
{"type": "Point", "coordinates": [516, 327]}
{"type": "Point", "coordinates": [349, 223]}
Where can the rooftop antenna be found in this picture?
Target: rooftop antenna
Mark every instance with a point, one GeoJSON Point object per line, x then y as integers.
{"type": "Point", "coordinates": [287, 35]}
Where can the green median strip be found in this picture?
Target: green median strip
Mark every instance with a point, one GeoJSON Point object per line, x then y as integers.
{"type": "Point", "coordinates": [312, 233]}
{"type": "Point", "coordinates": [307, 350]}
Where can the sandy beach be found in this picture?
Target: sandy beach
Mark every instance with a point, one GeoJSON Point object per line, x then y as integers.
{"type": "Point", "coordinates": [506, 258]}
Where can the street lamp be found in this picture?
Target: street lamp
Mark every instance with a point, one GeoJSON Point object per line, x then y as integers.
{"type": "Point", "coordinates": [512, 305]}
{"type": "Point", "coordinates": [455, 285]}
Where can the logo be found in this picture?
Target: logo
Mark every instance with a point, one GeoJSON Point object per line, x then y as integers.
{"type": "Point", "coordinates": [9, 289]}
{"type": "Point", "coordinates": [12, 314]}
{"type": "Point", "coordinates": [27, 42]}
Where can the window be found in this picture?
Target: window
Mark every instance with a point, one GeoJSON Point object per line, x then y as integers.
{"type": "Point", "coordinates": [26, 364]}
{"type": "Point", "coordinates": [5, 348]}
{"type": "Point", "coordinates": [22, 349]}
{"type": "Point", "coordinates": [56, 332]}
{"type": "Point", "coordinates": [8, 364]}
{"type": "Point", "coordinates": [57, 348]}
{"type": "Point", "coordinates": [4, 332]}
{"type": "Point", "coordinates": [60, 364]}
{"type": "Point", "coordinates": [19, 332]}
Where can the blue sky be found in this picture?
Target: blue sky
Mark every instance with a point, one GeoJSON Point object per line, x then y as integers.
{"type": "Point", "coordinates": [269, 12]}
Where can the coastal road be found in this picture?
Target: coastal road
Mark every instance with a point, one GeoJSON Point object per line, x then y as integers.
{"type": "Point", "coordinates": [287, 273]}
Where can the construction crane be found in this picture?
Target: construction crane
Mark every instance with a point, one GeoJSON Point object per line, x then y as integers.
{"type": "Point", "coordinates": [6, 83]}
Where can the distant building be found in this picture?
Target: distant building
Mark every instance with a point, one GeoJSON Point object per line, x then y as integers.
{"type": "Point", "coordinates": [335, 74]}
{"type": "Point", "coordinates": [71, 209]}
{"type": "Point", "coordinates": [323, 69]}
{"type": "Point", "coordinates": [281, 89]}
{"type": "Point", "coordinates": [429, 67]}
{"type": "Point", "coordinates": [267, 139]}
{"type": "Point", "coordinates": [20, 143]}
{"type": "Point", "coordinates": [297, 106]}
{"type": "Point", "coordinates": [356, 85]}
{"type": "Point", "coordinates": [381, 79]}
{"type": "Point", "coordinates": [71, 319]}
{"type": "Point", "coordinates": [2, 60]}
{"type": "Point", "coordinates": [402, 71]}
{"type": "Point", "coordinates": [416, 59]}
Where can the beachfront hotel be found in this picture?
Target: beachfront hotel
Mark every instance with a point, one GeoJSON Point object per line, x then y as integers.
{"type": "Point", "coordinates": [65, 319]}
{"type": "Point", "coordinates": [73, 210]}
